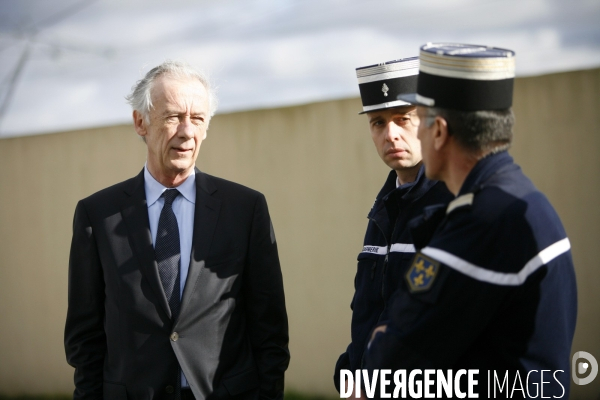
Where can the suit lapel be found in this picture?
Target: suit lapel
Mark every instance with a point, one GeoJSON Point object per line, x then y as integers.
{"type": "Point", "coordinates": [206, 214]}
{"type": "Point", "coordinates": [135, 214]}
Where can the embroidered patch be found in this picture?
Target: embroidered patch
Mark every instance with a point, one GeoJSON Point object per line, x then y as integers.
{"type": "Point", "coordinates": [422, 273]}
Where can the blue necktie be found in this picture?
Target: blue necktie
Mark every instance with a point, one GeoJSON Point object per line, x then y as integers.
{"type": "Point", "coordinates": [168, 256]}
{"type": "Point", "coordinates": [168, 251]}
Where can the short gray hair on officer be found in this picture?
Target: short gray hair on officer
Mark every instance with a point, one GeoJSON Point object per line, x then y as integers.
{"type": "Point", "coordinates": [140, 96]}
{"type": "Point", "coordinates": [477, 130]}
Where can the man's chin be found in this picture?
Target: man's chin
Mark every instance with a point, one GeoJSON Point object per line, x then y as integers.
{"type": "Point", "coordinates": [179, 167]}
{"type": "Point", "coordinates": [399, 165]}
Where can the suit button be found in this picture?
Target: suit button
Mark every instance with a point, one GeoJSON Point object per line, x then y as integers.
{"type": "Point", "coordinates": [169, 389]}
{"type": "Point", "coordinates": [174, 336]}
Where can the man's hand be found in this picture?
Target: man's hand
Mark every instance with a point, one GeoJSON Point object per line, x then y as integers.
{"type": "Point", "coordinates": [380, 328]}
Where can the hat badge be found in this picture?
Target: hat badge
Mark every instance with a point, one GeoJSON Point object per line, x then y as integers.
{"type": "Point", "coordinates": [385, 89]}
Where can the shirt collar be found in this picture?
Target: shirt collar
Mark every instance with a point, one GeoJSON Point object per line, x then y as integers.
{"type": "Point", "coordinates": [155, 189]}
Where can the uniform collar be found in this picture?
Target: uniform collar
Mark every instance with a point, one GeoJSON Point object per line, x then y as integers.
{"type": "Point", "coordinates": [391, 183]}
{"type": "Point", "coordinates": [155, 189]}
{"type": "Point", "coordinates": [484, 170]}
{"type": "Point", "coordinates": [407, 192]}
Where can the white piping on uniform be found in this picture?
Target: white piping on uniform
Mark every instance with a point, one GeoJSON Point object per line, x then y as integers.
{"type": "Point", "coordinates": [402, 248]}
{"type": "Point", "coordinates": [499, 278]}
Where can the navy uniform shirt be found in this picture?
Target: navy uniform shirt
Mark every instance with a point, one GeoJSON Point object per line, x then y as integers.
{"type": "Point", "coordinates": [492, 287]}
{"type": "Point", "coordinates": [386, 255]}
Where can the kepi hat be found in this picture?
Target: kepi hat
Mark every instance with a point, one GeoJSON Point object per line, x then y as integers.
{"type": "Point", "coordinates": [464, 77]}
{"type": "Point", "coordinates": [381, 84]}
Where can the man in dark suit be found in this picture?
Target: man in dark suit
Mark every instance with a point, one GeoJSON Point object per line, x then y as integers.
{"type": "Point", "coordinates": [175, 288]}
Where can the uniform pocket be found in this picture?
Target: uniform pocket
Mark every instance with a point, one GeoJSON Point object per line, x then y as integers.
{"type": "Point", "coordinates": [367, 266]}
{"type": "Point", "coordinates": [367, 284]}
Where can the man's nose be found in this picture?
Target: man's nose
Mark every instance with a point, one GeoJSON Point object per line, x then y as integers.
{"type": "Point", "coordinates": [392, 131]}
{"type": "Point", "coordinates": [186, 128]}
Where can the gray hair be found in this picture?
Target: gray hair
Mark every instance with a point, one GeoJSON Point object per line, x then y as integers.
{"type": "Point", "coordinates": [477, 131]}
{"type": "Point", "coordinates": [141, 100]}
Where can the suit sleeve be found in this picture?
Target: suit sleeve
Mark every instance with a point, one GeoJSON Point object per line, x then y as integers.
{"type": "Point", "coordinates": [265, 305]}
{"type": "Point", "coordinates": [85, 340]}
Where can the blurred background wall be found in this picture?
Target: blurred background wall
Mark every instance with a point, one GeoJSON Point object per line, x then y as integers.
{"type": "Point", "coordinates": [320, 173]}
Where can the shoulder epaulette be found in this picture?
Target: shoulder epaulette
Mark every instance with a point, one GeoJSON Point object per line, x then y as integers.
{"type": "Point", "coordinates": [460, 201]}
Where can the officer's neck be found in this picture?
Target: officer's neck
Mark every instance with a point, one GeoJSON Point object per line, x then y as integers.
{"type": "Point", "coordinates": [458, 166]}
{"type": "Point", "coordinates": [406, 175]}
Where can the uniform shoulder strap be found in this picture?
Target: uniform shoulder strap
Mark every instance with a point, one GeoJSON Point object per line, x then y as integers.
{"type": "Point", "coordinates": [460, 201]}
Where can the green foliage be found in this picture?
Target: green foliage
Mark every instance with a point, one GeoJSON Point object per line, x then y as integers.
{"type": "Point", "coordinates": [293, 395]}
{"type": "Point", "coordinates": [37, 397]}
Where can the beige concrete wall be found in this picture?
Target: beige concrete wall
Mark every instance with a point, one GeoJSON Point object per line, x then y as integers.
{"type": "Point", "coordinates": [320, 173]}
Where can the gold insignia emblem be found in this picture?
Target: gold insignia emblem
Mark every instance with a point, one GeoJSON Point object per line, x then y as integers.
{"type": "Point", "coordinates": [385, 89]}
{"type": "Point", "coordinates": [422, 273]}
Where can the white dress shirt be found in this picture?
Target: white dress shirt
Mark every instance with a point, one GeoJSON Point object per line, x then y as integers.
{"type": "Point", "coordinates": [183, 207]}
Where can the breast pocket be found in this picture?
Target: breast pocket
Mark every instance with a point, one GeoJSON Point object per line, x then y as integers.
{"type": "Point", "coordinates": [370, 261]}
{"type": "Point", "coordinates": [367, 282]}
{"type": "Point", "coordinates": [366, 268]}
{"type": "Point", "coordinates": [397, 265]}
{"type": "Point", "coordinates": [225, 260]}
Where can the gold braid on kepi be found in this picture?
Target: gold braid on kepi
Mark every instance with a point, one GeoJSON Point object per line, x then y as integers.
{"type": "Point", "coordinates": [464, 77]}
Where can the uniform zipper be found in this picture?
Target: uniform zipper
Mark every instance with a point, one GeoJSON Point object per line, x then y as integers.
{"type": "Point", "coordinates": [385, 261]}
{"type": "Point", "coordinates": [383, 272]}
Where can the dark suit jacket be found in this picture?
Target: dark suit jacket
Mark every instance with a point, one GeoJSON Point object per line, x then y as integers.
{"type": "Point", "coordinates": [232, 331]}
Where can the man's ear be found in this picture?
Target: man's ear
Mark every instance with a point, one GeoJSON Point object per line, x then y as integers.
{"type": "Point", "coordinates": [139, 123]}
{"type": "Point", "coordinates": [441, 137]}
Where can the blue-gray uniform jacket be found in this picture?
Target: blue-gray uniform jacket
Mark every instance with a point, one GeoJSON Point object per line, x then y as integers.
{"type": "Point", "coordinates": [492, 288]}
{"type": "Point", "coordinates": [387, 252]}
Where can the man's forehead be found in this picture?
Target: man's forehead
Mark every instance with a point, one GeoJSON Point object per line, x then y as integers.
{"type": "Point", "coordinates": [168, 83]}
{"type": "Point", "coordinates": [173, 89]}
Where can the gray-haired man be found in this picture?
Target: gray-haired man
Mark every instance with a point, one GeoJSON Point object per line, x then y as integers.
{"type": "Point", "coordinates": [175, 288]}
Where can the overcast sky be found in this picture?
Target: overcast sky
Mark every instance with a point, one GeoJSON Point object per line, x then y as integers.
{"type": "Point", "coordinates": [80, 58]}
